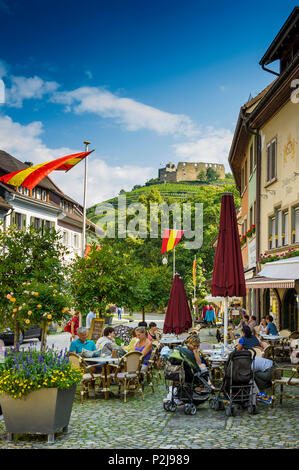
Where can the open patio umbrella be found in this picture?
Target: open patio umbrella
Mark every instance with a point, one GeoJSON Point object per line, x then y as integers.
{"type": "Point", "coordinates": [228, 274]}
{"type": "Point", "coordinates": [178, 317]}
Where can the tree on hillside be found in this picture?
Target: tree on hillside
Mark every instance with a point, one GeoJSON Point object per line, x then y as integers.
{"type": "Point", "coordinates": [212, 175]}
{"type": "Point", "coordinates": [202, 176]}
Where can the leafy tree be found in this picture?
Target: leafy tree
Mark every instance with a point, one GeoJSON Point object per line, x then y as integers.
{"type": "Point", "coordinates": [212, 174]}
{"type": "Point", "coordinates": [202, 176]}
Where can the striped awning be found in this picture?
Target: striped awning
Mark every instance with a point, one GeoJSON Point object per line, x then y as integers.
{"type": "Point", "coordinates": [260, 282]}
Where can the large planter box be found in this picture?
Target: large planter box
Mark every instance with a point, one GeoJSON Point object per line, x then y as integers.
{"type": "Point", "coordinates": [43, 411]}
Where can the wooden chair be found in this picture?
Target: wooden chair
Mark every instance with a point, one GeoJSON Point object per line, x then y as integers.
{"type": "Point", "coordinates": [294, 335]}
{"type": "Point", "coordinates": [268, 352]}
{"type": "Point", "coordinates": [292, 381]}
{"type": "Point", "coordinates": [127, 373]}
{"type": "Point", "coordinates": [259, 351]}
{"type": "Point", "coordinates": [88, 378]}
{"type": "Point", "coordinates": [155, 363]}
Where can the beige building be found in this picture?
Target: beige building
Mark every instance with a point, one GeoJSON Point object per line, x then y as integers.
{"type": "Point", "coordinates": [268, 180]}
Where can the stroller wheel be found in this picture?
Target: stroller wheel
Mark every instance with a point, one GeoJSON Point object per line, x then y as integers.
{"type": "Point", "coordinates": [212, 403]}
{"type": "Point", "coordinates": [216, 405]}
{"type": "Point", "coordinates": [252, 409]}
{"type": "Point", "coordinates": [192, 410]}
{"type": "Point", "coordinates": [230, 411]}
{"type": "Point", "coordinates": [172, 407]}
{"type": "Point", "coordinates": [166, 405]}
{"type": "Point", "coordinates": [187, 409]}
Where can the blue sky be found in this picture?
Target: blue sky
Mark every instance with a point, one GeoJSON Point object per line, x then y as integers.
{"type": "Point", "coordinates": [145, 81]}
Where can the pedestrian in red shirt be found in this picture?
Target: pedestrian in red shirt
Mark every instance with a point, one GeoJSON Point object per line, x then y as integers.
{"type": "Point", "coordinates": [74, 325]}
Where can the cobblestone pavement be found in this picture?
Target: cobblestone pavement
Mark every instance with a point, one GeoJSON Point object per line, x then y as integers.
{"type": "Point", "coordinates": [144, 424]}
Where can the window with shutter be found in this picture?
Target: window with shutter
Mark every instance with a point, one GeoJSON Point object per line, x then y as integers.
{"type": "Point", "coordinates": [297, 225]}
{"type": "Point", "coordinates": [24, 221]}
{"type": "Point", "coordinates": [13, 218]}
{"type": "Point", "coordinates": [279, 228]}
{"type": "Point", "coordinates": [286, 228]}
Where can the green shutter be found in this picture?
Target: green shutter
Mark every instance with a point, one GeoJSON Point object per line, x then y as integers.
{"type": "Point", "coordinates": [13, 218]}
{"type": "Point", "coordinates": [32, 221]}
{"type": "Point", "coordinates": [53, 225]}
{"type": "Point", "coordinates": [24, 221]}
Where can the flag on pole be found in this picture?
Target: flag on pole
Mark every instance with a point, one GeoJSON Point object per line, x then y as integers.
{"type": "Point", "coordinates": [194, 272]}
{"type": "Point", "coordinates": [170, 239]}
{"type": "Point", "coordinates": [31, 176]}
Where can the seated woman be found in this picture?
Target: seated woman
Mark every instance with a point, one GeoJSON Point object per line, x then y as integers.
{"type": "Point", "coordinates": [262, 326]}
{"type": "Point", "coordinates": [248, 340]}
{"type": "Point", "coordinates": [144, 345]}
{"type": "Point", "coordinates": [132, 343]}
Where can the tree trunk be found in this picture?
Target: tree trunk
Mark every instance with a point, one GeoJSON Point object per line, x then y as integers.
{"type": "Point", "coordinates": [16, 333]}
{"type": "Point", "coordinates": [43, 342]}
{"type": "Point", "coordinates": [143, 314]}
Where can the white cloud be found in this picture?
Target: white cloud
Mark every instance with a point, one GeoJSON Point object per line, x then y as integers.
{"type": "Point", "coordinates": [131, 114]}
{"type": "Point", "coordinates": [104, 181]}
{"type": "Point", "coordinates": [212, 147]}
{"type": "Point", "coordinates": [28, 88]}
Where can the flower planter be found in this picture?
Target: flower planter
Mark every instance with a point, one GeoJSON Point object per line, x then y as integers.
{"type": "Point", "coordinates": [108, 320]}
{"type": "Point", "coordinates": [43, 411]}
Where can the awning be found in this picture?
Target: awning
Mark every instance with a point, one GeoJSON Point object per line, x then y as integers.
{"type": "Point", "coordinates": [260, 282]}
{"type": "Point", "coordinates": [280, 274]}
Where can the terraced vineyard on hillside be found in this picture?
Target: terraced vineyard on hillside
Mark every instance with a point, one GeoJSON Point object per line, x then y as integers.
{"type": "Point", "coordinates": [174, 191]}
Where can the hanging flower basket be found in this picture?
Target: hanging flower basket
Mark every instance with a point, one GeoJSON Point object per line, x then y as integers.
{"type": "Point", "coordinates": [250, 232]}
{"type": "Point", "coordinates": [243, 240]}
{"type": "Point", "coordinates": [276, 257]}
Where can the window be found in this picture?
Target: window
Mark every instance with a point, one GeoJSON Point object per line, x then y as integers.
{"type": "Point", "coordinates": [244, 177]}
{"type": "Point", "coordinates": [76, 240]}
{"type": "Point", "coordinates": [44, 195]}
{"type": "Point", "coordinates": [20, 189]}
{"type": "Point", "coordinates": [38, 193]}
{"type": "Point", "coordinates": [279, 229]}
{"type": "Point", "coordinates": [26, 191]}
{"type": "Point", "coordinates": [296, 220]}
{"type": "Point", "coordinates": [19, 220]}
{"type": "Point", "coordinates": [271, 232]}
{"type": "Point", "coordinates": [271, 161]}
{"type": "Point", "coordinates": [286, 228]}
{"type": "Point", "coordinates": [251, 164]}
{"type": "Point", "coordinates": [34, 193]}
{"type": "Point", "coordinates": [65, 238]}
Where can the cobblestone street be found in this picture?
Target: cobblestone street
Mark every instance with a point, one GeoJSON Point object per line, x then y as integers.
{"type": "Point", "coordinates": [144, 424]}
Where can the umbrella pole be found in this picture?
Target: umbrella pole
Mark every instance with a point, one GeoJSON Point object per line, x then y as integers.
{"type": "Point", "coordinates": [174, 262]}
{"type": "Point", "coordinates": [225, 321]}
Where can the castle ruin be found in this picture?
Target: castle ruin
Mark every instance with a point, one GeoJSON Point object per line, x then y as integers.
{"type": "Point", "coordinates": [186, 171]}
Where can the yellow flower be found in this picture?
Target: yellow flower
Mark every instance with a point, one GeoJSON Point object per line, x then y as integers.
{"type": "Point", "coordinates": [36, 293]}
{"type": "Point", "coordinates": [54, 295]}
{"type": "Point", "coordinates": [49, 317]}
{"type": "Point", "coordinates": [29, 312]}
{"type": "Point", "coordinates": [27, 321]}
{"type": "Point", "coordinates": [12, 299]}
{"type": "Point", "coordinates": [13, 316]}
{"type": "Point", "coordinates": [8, 296]}
{"type": "Point", "coordinates": [15, 310]}
{"type": "Point", "coordinates": [39, 306]}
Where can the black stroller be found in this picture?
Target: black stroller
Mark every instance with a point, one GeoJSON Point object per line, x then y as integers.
{"type": "Point", "coordinates": [181, 380]}
{"type": "Point", "coordinates": [238, 387]}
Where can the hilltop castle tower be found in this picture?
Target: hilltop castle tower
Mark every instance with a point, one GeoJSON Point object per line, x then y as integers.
{"type": "Point", "coordinates": [186, 171]}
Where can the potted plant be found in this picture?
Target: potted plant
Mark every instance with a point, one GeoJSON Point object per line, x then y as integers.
{"type": "Point", "coordinates": [109, 314]}
{"type": "Point", "coordinates": [37, 390]}
{"type": "Point", "coordinates": [243, 240]}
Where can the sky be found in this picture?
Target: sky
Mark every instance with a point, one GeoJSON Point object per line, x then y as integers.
{"type": "Point", "coordinates": [145, 81]}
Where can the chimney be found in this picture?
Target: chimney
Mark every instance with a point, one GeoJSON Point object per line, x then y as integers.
{"type": "Point", "coordinates": [28, 163]}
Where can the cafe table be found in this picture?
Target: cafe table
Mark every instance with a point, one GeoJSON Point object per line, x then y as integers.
{"type": "Point", "coordinates": [104, 362]}
{"type": "Point", "coordinates": [274, 341]}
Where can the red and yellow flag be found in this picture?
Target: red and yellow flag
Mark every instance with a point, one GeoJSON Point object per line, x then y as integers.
{"type": "Point", "coordinates": [170, 239]}
{"type": "Point", "coordinates": [194, 272]}
{"type": "Point", "coordinates": [31, 176]}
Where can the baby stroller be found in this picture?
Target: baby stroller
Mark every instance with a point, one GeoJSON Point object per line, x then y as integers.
{"type": "Point", "coordinates": [181, 380]}
{"type": "Point", "coordinates": [238, 387]}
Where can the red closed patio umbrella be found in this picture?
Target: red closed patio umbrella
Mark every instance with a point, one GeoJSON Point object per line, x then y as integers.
{"type": "Point", "coordinates": [178, 317]}
{"type": "Point", "coordinates": [228, 274]}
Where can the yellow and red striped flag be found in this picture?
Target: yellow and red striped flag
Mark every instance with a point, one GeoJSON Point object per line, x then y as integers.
{"type": "Point", "coordinates": [31, 176]}
{"type": "Point", "coordinates": [194, 272]}
{"type": "Point", "coordinates": [170, 239]}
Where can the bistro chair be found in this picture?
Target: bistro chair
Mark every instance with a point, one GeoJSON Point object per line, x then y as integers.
{"type": "Point", "coordinates": [89, 378]}
{"type": "Point", "coordinates": [127, 374]}
{"type": "Point", "coordinates": [292, 381]}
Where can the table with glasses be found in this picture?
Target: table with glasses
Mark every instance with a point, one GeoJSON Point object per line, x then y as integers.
{"type": "Point", "coordinates": [104, 362]}
{"type": "Point", "coordinates": [171, 340]}
{"type": "Point", "coordinates": [216, 359]}
{"type": "Point", "coordinates": [274, 340]}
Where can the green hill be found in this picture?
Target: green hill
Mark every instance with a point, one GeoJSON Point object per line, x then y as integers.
{"type": "Point", "coordinates": [177, 192]}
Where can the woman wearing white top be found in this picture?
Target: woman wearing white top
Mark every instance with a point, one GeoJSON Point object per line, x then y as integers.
{"type": "Point", "coordinates": [263, 326]}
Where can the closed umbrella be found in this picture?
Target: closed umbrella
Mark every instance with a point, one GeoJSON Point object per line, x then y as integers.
{"type": "Point", "coordinates": [228, 274]}
{"type": "Point", "coordinates": [178, 317]}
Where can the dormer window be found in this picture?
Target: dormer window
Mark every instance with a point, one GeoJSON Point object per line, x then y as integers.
{"type": "Point", "coordinates": [38, 193]}
{"type": "Point", "coordinates": [44, 195]}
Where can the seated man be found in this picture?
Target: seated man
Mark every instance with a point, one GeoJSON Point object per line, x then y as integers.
{"type": "Point", "coordinates": [271, 328]}
{"type": "Point", "coordinates": [82, 343]}
{"type": "Point", "coordinates": [263, 369]}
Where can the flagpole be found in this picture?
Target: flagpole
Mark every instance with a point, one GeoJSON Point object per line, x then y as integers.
{"type": "Point", "coordinates": [84, 200]}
